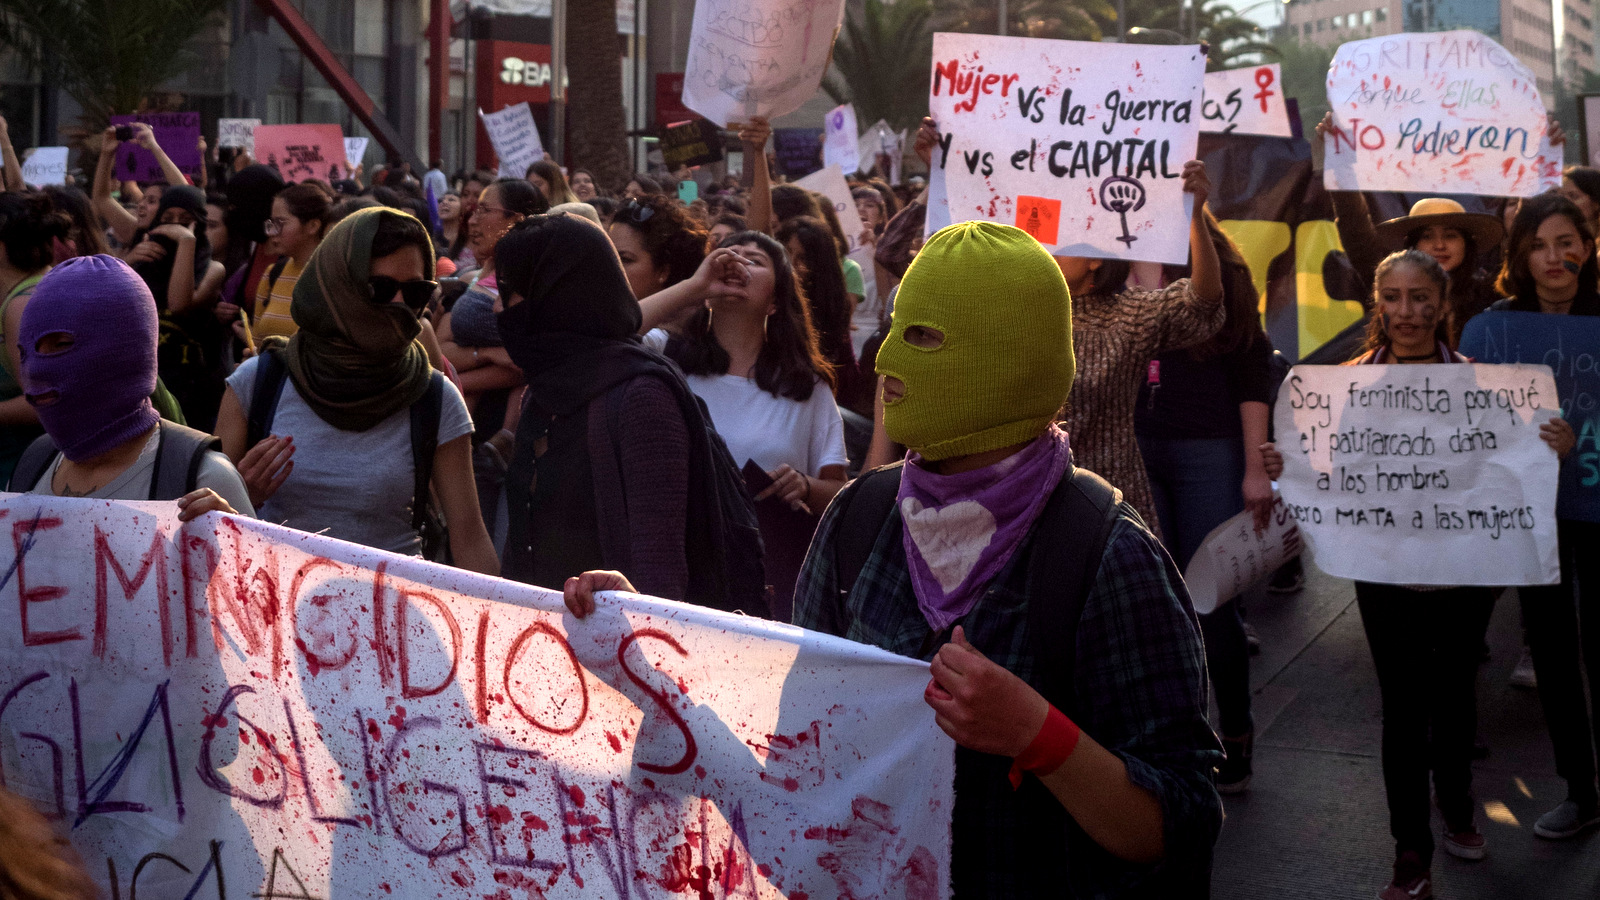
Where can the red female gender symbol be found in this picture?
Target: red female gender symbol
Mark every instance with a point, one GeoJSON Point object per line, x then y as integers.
{"type": "Point", "coordinates": [1264, 81]}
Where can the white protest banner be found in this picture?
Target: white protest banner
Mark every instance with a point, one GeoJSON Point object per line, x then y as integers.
{"type": "Point", "coordinates": [830, 183]}
{"type": "Point", "coordinates": [1234, 556]}
{"type": "Point", "coordinates": [1246, 101]}
{"type": "Point", "coordinates": [1080, 144]}
{"type": "Point", "coordinates": [757, 57]}
{"type": "Point", "coordinates": [45, 165]}
{"type": "Point", "coordinates": [841, 139]}
{"type": "Point", "coordinates": [1422, 474]}
{"type": "Point", "coordinates": [1448, 112]}
{"type": "Point", "coordinates": [300, 717]}
{"type": "Point", "coordinates": [515, 138]}
{"type": "Point", "coordinates": [355, 150]}
{"type": "Point", "coordinates": [881, 140]}
{"type": "Point", "coordinates": [237, 133]}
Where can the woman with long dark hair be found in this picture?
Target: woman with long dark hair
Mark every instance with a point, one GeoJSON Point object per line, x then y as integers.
{"type": "Point", "coordinates": [812, 248]}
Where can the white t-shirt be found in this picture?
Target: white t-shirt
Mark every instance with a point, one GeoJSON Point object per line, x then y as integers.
{"type": "Point", "coordinates": [352, 485]}
{"type": "Point", "coordinates": [215, 472]}
{"type": "Point", "coordinates": [773, 431]}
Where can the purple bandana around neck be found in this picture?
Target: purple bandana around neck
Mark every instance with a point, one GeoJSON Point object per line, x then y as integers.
{"type": "Point", "coordinates": [960, 530]}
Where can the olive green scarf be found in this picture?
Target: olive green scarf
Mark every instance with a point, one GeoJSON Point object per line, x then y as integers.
{"type": "Point", "coordinates": [355, 362]}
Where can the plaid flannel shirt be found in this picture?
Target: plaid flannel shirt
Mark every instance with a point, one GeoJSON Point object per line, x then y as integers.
{"type": "Point", "coordinates": [1139, 690]}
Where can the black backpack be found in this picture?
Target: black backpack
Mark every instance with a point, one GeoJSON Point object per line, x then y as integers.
{"type": "Point", "coordinates": [272, 373]}
{"type": "Point", "coordinates": [1072, 531]}
{"type": "Point", "coordinates": [179, 452]}
{"type": "Point", "coordinates": [723, 536]}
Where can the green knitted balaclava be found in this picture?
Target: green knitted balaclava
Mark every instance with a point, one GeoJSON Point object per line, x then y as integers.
{"type": "Point", "coordinates": [1005, 366]}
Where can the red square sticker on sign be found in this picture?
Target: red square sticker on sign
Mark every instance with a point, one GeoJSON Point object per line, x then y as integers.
{"type": "Point", "coordinates": [1040, 217]}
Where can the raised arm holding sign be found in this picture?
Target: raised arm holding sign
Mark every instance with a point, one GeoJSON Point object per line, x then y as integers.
{"type": "Point", "coordinates": [757, 57]}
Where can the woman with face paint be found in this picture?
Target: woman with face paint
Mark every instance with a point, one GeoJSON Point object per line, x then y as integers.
{"type": "Point", "coordinates": [1425, 642]}
{"type": "Point", "coordinates": [338, 458]}
{"type": "Point", "coordinates": [88, 344]}
{"type": "Point", "coordinates": [1550, 269]}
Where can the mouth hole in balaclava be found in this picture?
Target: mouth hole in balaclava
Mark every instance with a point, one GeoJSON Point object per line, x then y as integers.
{"type": "Point", "coordinates": [54, 343]}
{"type": "Point", "coordinates": [924, 337]}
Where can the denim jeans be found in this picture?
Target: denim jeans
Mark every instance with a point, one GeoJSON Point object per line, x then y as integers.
{"type": "Point", "coordinates": [1563, 623]}
{"type": "Point", "coordinates": [1196, 485]}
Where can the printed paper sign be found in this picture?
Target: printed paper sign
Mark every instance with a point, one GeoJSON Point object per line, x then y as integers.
{"type": "Point", "coordinates": [1234, 556]}
{"type": "Point", "coordinates": [355, 150]}
{"type": "Point", "coordinates": [515, 138]}
{"type": "Point", "coordinates": [882, 141]}
{"type": "Point", "coordinates": [1246, 101]}
{"type": "Point", "coordinates": [757, 57]}
{"type": "Point", "coordinates": [294, 716]}
{"type": "Point", "coordinates": [1104, 128]}
{"type": "Point", "coordinates": [834, 189]}
{"type": "Point", "coordinates": [1424, 474]}
{"type": "Point", "coordinates": [238, 133]}
{"type": "Point", "coordinates": [1569, 345]}
{"type": "Point", "coordinates": [302, 151]}
{"type": "Point", "coordinates": [841, 141]}
{"type": "Point", "coordinates": [45, 165]}
{"type": "Point", "coordinates": [178, 133]}
{"type": "Point", "coordinates": [1447, 112]}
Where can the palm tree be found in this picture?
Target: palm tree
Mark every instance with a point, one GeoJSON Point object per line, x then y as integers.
{"type": "Point", "coordinates": [595, 121]}
{"type": "Point", "coordinates": [1234, 40]}
{"type": "Point", "coordinates": [882, 60]}
{"type": "Point", "coordinates": [1073, 20]}
{"type": "Point", "coordinates": [108, 57]}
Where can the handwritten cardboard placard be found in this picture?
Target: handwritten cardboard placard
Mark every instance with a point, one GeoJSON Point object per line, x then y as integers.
{"type": "Point", "coordinates": [757, 57]}
{"type": "Point", "coordinates": [1450, 112]}
{"type": "Point", "coordinates": [1103, 128]}
{"type": "Point", "coordinates": [238, 133]}
{"type": "Point", "coordinates": [45, 165]}
{"type": "Point", "coordinates": [1422, 474]}
{"type": "Point", "coordinates": [296, 716]}
{"type": "Point", "coordinates": [355, 150]}
{"type": "Point", "coordinates": [302, 151]}
{"type": "Point", "coordinates": [1246, 101]}
{"type": "Point", "coordinates": [841, 140]}
{"type": "Point", "coordinates": [834, 189]}
{"type": "Point", "coordinates": [178, 133]}
{"type": "Point", "coordinates": [1570, 346]}
{"type": "Point", "coordinates": [696, 142]}
{"type": "Point", "coordinates": [1235, 557]}
{"type": "Point", "coordinates": [515, 138]}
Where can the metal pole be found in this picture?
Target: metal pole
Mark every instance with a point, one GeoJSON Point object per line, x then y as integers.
{"type": "Point", "coordinates": [558, 72]}
{"type": "Point", "coordinates": [1122, 20]}
{"type": "Point", "coordinates": [1003, 16]}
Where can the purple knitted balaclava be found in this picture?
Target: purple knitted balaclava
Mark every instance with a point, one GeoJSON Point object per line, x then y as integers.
{"type": "Point", "coordinates": [94, 395]}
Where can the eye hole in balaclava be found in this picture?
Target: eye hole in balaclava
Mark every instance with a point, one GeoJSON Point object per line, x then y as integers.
{"type": "Point", "coordinates": [924, 337]}
{"type": "Point", "coordinates": [54, 343]}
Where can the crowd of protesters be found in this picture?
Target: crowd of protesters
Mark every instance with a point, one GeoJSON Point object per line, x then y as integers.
{"type": "Point", "coordinates": [963, 450]}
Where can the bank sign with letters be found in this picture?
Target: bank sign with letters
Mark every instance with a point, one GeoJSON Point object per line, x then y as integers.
{"type": "Point", "coordinates": [230, 709]}
{"type": "Point", "coordinates": [1080, 144]}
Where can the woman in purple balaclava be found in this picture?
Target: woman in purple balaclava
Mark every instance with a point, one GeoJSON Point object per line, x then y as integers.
{"type": "Point", "coordinates": [87, 342]}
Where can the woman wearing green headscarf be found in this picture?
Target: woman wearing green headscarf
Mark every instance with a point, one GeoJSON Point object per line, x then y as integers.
{"type": "Point", "coordinates": [336, 455]}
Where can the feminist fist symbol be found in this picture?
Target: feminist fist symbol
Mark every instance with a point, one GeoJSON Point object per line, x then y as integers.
{"type": "Point", "coordinates": [1122, 195]}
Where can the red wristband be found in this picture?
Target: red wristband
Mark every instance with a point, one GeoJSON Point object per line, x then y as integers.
{"type": "Point", "coordinates": [1056, 740]}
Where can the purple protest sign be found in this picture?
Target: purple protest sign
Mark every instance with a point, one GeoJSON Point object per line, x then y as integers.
{"type": "Point", "coordinates": [178, 133]}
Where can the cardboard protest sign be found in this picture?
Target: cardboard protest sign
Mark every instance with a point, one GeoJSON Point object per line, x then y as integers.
{"type": "Point", "coordinates": [830, 184]}
{"type": "Point", "coordinates": [1235, 557]}
{"type": "Point", "coordinates": [757, 57]}
{"type": "Point", "coordinates": [1246, 101]}
{"type": "Point", "coordinates": [841, 140]}
{"type": "Point", "coordinates": [355, 150]}
{"type": "Point", "coordinates": [692, 143]}
{"type": "Point", "coordinates": [302, 151]}
{"type": "Point", "coordinates": [799, 151]}
{"type": "Point", "coordinates": [1570, 346]}
{"type": "Point", "coordinates": [178, 133]}
{"type": "Point", "coordinates": [295, 716]}
{"type": "Point", "coordinates": [238, 133]}
{"type": "Point", "coordinates": [45, 165]}
{"type": "Point", "coordinates": [881, 144]}
{"type": "Point", "coordinates": [1422, 474]}
{"type": "Point", "coordinates": [515, 138]}
{"type": "Point", "coordinates": [1101, 128]}
{"type": "Point", "coordinates": [1449, 112]}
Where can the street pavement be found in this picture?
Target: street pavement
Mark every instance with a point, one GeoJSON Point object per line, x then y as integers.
{"type": "Point", "coordinates": [1314, 823]}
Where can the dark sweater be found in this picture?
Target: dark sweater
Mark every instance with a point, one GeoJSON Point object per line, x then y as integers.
{"type": "Point", "coordinates": [1200, 398]}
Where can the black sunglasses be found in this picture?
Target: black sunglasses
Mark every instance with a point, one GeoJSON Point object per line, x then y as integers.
{"type": "Point", "coordinates": [416, 294]}
{"type": "Point", "coordinates": [637, 212]}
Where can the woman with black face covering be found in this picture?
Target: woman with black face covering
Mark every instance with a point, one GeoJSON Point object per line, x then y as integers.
{"type": "Point", "coordinates": [613, 455]}
{"type": "Point", "coordinates": [250, 193]}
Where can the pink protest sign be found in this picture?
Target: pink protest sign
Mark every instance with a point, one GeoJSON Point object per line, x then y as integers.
{"type": "Point", "coordinates": [178, 133]}
{"type": "Point", "coordinates": [302, 151]}
{"type": "Point", "coordinates": [294, 716]}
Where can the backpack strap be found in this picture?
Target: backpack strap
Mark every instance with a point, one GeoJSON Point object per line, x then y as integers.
{"type": "Point", "coordinates": [273, 273]}
{"type": "Point", "coordinates": [271, 373]}
{"type": "Point", "coordinates": [860, 520]}
{"type": "Point", "coordinates": [33, 463]}
{"type": "Point", "coordinates": [425, 415]}
{"type": "Point", "coordinates": [180, 451]}
{"type": "Point", "coordinates": [1068, 542]}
